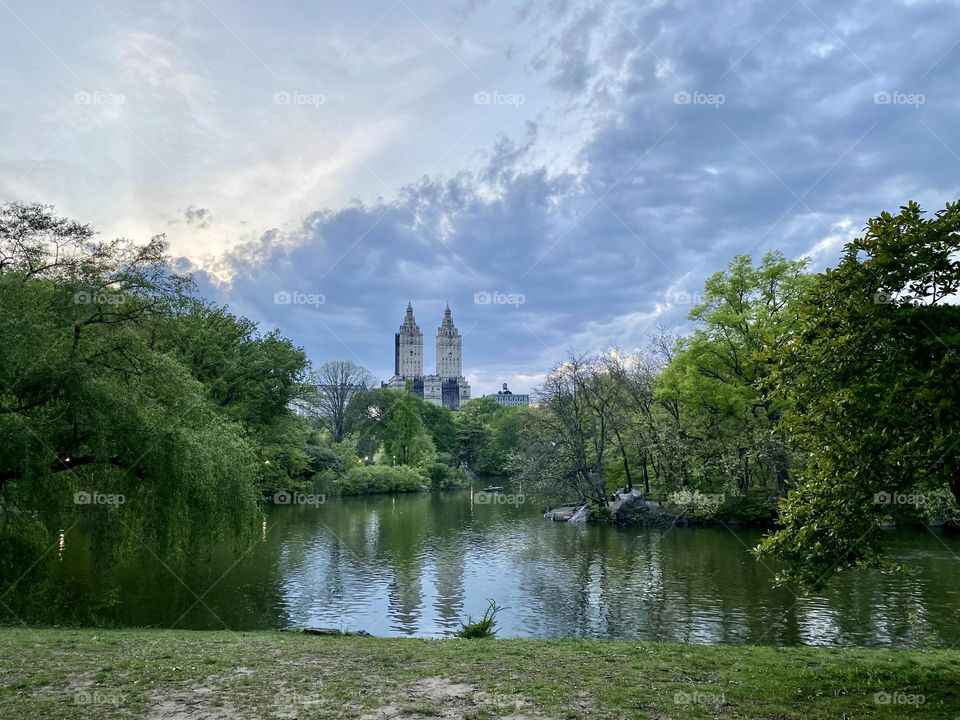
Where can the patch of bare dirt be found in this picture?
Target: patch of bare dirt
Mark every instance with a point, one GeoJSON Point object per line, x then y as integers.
{"type": "Point", "coordinates": [198, 704]}
{"type": "Point", "coordinates": [441, 698]}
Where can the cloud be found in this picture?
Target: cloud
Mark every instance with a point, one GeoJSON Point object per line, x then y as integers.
{"type": "Point", "coordinates": [198, 217]}
{"type": "Point", "coordinates": [716, 130]}
{"type": "Point", "coordinates": [655, 141]}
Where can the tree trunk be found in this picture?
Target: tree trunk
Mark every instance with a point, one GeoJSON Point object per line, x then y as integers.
{"type": "Point", "coordinates": [626, 462]}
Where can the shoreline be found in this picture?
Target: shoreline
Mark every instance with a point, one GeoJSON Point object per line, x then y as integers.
{"type": "Point", "coordinates": [167, 674]}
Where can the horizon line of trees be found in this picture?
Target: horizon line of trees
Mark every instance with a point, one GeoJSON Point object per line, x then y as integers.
{"type": "Point", "coordinates": [825, 389]}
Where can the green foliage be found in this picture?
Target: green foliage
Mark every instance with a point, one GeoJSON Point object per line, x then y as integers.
{"type": "Point", "coordinates": [395, 427]}
{"type": "Point", "coordinates": [871, 373]}
{"type": "Point", "coordinates": [374, 479]}
{"type": "Point", "coordinates": [678, 416]}
{"type": "Point", "coordinates": [439, 422]}
{"type": "Point", "coordinates": [482, 628]}
{"type": "Point", "coordinates": [717, 378]}
{"type": "Point", "coordinates": [486, 435]}
{"type": "Point", "coordinates": [444, 477]}
{"type": "Point", "coordinates": [116, 383]}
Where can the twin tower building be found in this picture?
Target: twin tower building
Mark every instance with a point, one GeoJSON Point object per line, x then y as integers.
{"type": "Point", "coordinates": [448, 387]}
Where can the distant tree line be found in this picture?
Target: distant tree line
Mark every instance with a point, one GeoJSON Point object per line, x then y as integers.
{"type": "Point", "coordinates": [363, 429]}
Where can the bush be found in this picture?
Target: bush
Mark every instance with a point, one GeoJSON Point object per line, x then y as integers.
{"type": "Point", "coordinates": [695, 504]}
{"type": "Point", "coordinates": [754, 507]}
{"type": "Point", "coordinates": [443, 477]}
{"type": "Point", "coordinates": [373, 479]}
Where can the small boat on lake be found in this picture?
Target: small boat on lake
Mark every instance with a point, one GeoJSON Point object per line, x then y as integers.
{"type": "Point", "coordinates": [493, 488]}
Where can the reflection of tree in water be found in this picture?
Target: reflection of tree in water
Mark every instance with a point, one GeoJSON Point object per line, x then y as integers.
{"type": "Point", "coordinates": [89, 585]}
{"type": "Point", "coordinates": [681, 584]}
{"type": "Point", "coordinates": [417, 563]}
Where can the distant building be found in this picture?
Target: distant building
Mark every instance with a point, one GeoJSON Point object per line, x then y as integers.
{"type": "Point", "coordinates": [447, 387]}
{"type": "Point", "coordinates": [506, 397]}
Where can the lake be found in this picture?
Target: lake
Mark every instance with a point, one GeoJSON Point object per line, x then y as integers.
{"type": "Point", "coordinates": [416, 565]}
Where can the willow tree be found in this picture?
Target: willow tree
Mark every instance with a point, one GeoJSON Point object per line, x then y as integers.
{"type": "Point", "coordinates": [103, 421]}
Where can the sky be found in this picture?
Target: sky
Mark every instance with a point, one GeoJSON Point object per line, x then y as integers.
{"type": "Point", "coordinates": [565, 174]}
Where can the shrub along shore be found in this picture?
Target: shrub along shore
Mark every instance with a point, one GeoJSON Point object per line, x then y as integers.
{"type": "Point", "coordinates": [188, 674]}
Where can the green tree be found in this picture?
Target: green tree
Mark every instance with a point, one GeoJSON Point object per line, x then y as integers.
{"type": "Point", "coordinates": [718, 375]}
{"type": "Point", "coordinates": [871, 375]}
{"type": "Point", "coordinates": [93, 403]}
{"type": "Point", "coordinates": [440, 424]}
{"type": "Point", "coordinates": [405, 437]}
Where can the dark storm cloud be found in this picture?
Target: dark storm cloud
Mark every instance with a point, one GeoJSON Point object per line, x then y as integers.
{"type": "Point", "coordinates": [719, 130]}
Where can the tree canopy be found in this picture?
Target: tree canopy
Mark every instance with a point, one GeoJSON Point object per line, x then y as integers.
{"type": "Point", "coordinates": [871, 375]}
{"type": "Point", "coordinates": [116, 382]}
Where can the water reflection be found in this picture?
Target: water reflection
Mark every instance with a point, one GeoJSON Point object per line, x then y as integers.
{"type": "Point", "coordinates": [418, 564]}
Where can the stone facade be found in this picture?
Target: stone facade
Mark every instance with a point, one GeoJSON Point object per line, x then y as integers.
{"type": "Point", "coordinates": [408, 348]}
{"type": "Point", "coordinates": [448, 348]}
{"type": "Point", "coordinates": [447, 387]}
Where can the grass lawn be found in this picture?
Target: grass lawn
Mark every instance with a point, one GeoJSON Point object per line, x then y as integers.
{"type": "Point", "coordinates": [56, 673]}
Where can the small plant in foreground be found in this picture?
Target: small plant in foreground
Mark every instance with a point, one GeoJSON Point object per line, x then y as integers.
{"type": "Point", "coordinates": [483, 627]}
